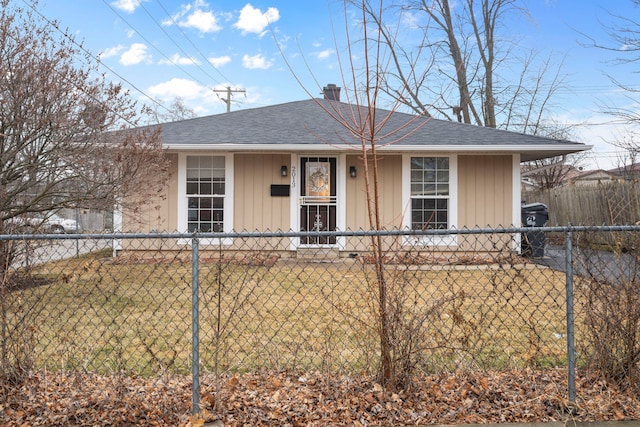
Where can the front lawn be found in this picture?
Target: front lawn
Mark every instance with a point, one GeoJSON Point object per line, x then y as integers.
{"type": "Point", "coordinates": [100, 314]}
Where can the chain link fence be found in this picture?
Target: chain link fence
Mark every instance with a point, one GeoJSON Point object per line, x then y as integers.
{"type": "Point", "coordinates": [175, 304]}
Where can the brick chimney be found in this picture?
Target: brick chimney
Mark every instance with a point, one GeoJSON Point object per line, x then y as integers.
{"type": "Point", "coordinates": [331, 92]}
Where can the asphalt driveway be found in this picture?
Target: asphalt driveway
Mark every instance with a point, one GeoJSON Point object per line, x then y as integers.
{"type": "Point", "coordinates": [604, 266]}
{"type": "Point", "coordinates": [51, 250]}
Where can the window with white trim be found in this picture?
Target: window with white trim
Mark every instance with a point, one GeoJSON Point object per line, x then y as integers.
{"type": "Point", "coordinates": [205, 187]}
{"type": "Point", "coordinates": [430, 193]}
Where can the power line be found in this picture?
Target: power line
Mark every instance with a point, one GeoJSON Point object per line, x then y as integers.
{"type": "Point", "coordinates": [151, 44]}
{"type": "Point", "coordinates": [176, 44]}
{"type": "Point", "coordinates": [228, 89]}
{"type": "Point", "coordinates": [189, 40]}
{"type": "Point", "coordinates": [98, 61]}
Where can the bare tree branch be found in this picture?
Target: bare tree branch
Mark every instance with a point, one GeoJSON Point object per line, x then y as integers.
{"type": "Point", "coordinates": [61, 139]}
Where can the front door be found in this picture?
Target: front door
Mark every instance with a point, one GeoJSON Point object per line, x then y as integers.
{"type": "Point", "coordinates": [318, 198]}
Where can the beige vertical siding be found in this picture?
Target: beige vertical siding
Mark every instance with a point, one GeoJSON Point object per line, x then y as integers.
{"type": "Point", "coordinates": [485, 191]}
{"type": "Point", "coordinates": [171, 202]}
{"type": "Point", "coordinates": [390, 182]}
{"type": "Point", "coordinates": [254, 207]}
{"type": "Point", "coordinates": [485, 197]}
{"type": "Point", "coordinates": [158, 214]}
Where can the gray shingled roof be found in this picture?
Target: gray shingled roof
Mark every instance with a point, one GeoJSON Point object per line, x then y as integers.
{"type": "Point", "coordinates": [305, 123]}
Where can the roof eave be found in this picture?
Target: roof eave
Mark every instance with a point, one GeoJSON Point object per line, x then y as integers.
{"type": "Point", "coordinates": [528, 152]}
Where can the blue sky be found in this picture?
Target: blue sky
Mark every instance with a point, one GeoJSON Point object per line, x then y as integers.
{"type": "Point", "coordinates": [169, 48]}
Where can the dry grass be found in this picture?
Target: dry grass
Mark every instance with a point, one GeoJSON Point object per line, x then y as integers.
{"type": "Point", "coordinates": [104, 315]}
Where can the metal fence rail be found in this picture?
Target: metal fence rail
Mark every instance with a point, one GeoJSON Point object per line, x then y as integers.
{"type": "Point", "coordinates": [184, 304]}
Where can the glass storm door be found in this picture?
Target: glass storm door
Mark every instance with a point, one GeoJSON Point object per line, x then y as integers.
{"type": "Point", "coordinates": [318, 198]}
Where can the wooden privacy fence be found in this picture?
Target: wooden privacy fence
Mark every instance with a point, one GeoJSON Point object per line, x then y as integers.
{"type": "Point", "coordinates": [616, 203]}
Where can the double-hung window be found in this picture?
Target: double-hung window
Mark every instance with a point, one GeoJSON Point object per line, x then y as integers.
{"type": "Point", "coordinates": [205, 193]}
{"type": "Point", "coordinates": [430, 193]}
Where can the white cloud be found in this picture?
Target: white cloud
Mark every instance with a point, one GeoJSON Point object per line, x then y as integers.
{"type": "Point", "coordinates": [201, 20]}
{"type": "Point", "coordinates": [252, 20]}
{"type": "Point", "coordinates": [196, 15]}
{"type": "Point", "coordinates": [256, 61]}
{"type": "Point", "coordinates": [185, 89]}
{"type": "Point", "coordinates": [111, 51]}
{"type": "Point", "coordinates": [128, 6]}
{"type": "Point", "coordinates": [201, 99]}
{"type": "Point", "coordinates": [180, 60]}
{"type": "Point", "coordinates": [411, 20]}
{"type": "Point", "coordinates": [324, 54]}
{"type": "Point", "coordinates": [219, 61]}
{"type": "Point", "coordinates": [136, 54]}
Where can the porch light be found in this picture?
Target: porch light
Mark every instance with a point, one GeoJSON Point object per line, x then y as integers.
{"type": "Point", "coordinates": [352, 171]}
{"type": "Point", "coordinates": [283, 170]}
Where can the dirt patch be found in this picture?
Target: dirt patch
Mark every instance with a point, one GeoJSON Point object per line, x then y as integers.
{"type": "Point", "coordinates": [19, 282]}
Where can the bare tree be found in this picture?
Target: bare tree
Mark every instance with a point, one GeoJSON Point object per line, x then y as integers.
{"type": "Point", "coordinates": [553, 172]}
{"type": "Point", "coordinates": [627, 141]}
{"type": "Point", "coordinates": [62, 142]}
{"type": "Point", "coordinates": [624, 44]}
{"type": "Point", "coordinates": [398, 323]}
{"type": "Point", "coordinates": [382, 71]}
{"type": "Point", "coordinates": [468, 75]}
{"type": "Point", "coordinates": [177, 110]}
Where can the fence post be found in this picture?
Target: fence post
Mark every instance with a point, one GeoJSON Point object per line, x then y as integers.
{"type": "Point", "coordinates": [195, 327]}
{"type": "Point", "coordinates": [571, 349]}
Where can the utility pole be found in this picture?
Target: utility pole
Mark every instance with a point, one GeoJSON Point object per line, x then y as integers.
{"type": "Point", "coordinates": [227, 100]}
